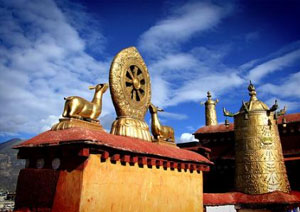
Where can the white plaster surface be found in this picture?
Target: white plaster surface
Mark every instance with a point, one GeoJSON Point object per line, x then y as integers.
{"type": "Point", "coordinates": [222, 208]}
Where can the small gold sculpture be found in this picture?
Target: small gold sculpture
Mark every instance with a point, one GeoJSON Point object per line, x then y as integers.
{"type": "Point", "coordinates": [79, 112]}
{"type": "Point", "coordinates": [259, 160]}
{"type": "Point", "coordinates": [130, 90]}
{"type": "Point", "coordinates": [77, 107]}
{"type": "Point", "coordinates": [160, 133]}
{"type": "Point", "coordinates": [210, 111]}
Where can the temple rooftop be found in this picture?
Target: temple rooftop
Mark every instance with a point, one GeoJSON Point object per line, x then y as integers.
{"type": "Point", "coordinates": [221, 128]}
{"type": "Point", "coordinates": [111, 143]}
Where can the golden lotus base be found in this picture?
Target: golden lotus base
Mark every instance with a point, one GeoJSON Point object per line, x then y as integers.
{"type": "Point", "coordinates": [67, 123]}
{"type": "Point", "coordinates": [163, 142]}
{"type": "Point", "coordinates": [131, 127]}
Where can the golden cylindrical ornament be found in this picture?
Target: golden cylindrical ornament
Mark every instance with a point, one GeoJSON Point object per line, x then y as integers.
{"type": "Point", "coordinates": [210, 111]}
{"type": "Point", "coordinates": [259, 159]}
{"type": "Point", "coordinates": [260, 166]}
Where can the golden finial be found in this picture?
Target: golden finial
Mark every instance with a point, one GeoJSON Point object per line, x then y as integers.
{"type": "Point", "coordinates": [208, 95]}
{"type": "Point", "coordinates": [210, 110]}
{"type": "Point", "coordinates": [252, 91]}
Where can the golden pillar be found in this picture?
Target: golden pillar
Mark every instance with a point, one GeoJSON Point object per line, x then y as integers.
{"type": "Point", "coordinates": [210, 111]}
{"type": "Point", "coordinates": [259, 163]}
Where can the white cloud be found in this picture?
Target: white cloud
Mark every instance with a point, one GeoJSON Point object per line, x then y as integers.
{"type": "Point", "coordinates": [160, 90]}
{"type": "Point", "coordinates": [48, 122]}
{"type": "Point", "coordinates": [42, 59]}
{"type": "Point", "coordinates": [293, 46]}
{"type": "Point", "coordinates": [181, 25]}
{"type": "Point", "coordinates": [176, 64]}
{"type": "Point", "coordinates": [289, 87]}
{"type": "Point", "coordinates": [284, 89]}
{"type": "Point", "coordinates": [196, 88]}
{"type": "Point", "coordinates": [276, 64]}
{"type": "Point", "coordinates": [88, 27]}
{"type": "Point", "coordinates": [186, 137]}
{"type": "Point", "coordinates": [179, 77]}
{"type": "Point", "coordinates": [175, 116]}
{"type": "Point", "coordinates": [287, 92]}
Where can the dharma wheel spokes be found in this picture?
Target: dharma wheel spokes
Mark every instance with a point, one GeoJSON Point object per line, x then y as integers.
{"type": "Point", "coordinates": [135, 83]}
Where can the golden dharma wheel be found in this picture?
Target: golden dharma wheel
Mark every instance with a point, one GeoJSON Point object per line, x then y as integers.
{"type": "Point", "coordinates": [130, 85]}
{"type": "Point", "coordinates": [130, 90]}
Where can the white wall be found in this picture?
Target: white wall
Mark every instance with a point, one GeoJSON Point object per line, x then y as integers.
{"type": "Point", "coordinates": [222, 208]}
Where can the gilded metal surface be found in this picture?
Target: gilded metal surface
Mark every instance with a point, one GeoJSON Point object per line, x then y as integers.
{"type": "Point", "coordinates": [210, 111]}
{"type": "Point", "coordinates": [131, 94]}
{"type": "Point", "coordinates": [163, 142]}
{"type": "Point", "coordinates": [77, 107]}
{"type": "Point", "coordinates": [131, 127]}
{"type": "Point", "coordinates": [159, 132]}
{"type": "Point", "coordinates": [79, 112]}
{"type": "Point", "coordinates": [260, 166]}
{"type": "Point", "coordinates": [66, 123]}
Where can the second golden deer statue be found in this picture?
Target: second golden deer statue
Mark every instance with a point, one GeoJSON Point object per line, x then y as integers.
{"type": "Point", "coordinates": [164, 133]}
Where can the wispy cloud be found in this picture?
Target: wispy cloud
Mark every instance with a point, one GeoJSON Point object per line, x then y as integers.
{"type": "Point", "coordinates": [176, 74]}
{"type": "Point", "coordinates": [87, 26]}
{"type": "Point", "coordinates": [279, 63]}
{"type": "Point", "coordinates": [174, 116]}
{"type": "Point", "coordinates": [184, 22]}
{"type": "Point", "coordinates": [288, 88]}
{"type": "Point", "coordinates": [43, 59]}
{"type": "Point", "coordinates": [195, 90]}
{"type": "Point", "coordinates": [188, 78]}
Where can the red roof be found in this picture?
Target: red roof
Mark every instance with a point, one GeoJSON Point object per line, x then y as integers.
{"type": "Point", "coordinates": [294, 117]}
{"type": "Point", "coordinates": [234, 198]}
{"type": "Point", "coordinates": [102, 138]}
{"type": "Point", "coordinates": [221, 128]}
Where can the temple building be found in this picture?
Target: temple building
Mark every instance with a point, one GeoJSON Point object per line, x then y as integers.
{"type": "Point", "coordinates": [256, 172]}
{"type": "Point", "coordinates": [250, 165]}
{"type": "Point", "coordinates": [77, 166]}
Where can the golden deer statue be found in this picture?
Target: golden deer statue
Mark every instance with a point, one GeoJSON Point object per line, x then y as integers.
{"type": "Point", "coordinates": [77, 107]}
{"type": "Point", "coordinates": [160, 132]}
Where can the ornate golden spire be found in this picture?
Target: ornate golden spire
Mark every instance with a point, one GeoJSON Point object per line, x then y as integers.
{"type": "Point", "coordinates": [210, 110]}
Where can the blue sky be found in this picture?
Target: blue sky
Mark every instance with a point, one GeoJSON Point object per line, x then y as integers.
{"type": "Point", "coordinates": [51, 49]}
